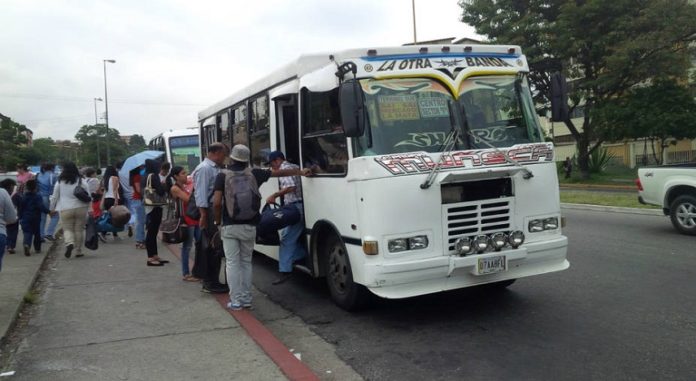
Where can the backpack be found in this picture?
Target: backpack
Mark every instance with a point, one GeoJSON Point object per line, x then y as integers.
{"type": "Point", "coordinates": [242, 197]}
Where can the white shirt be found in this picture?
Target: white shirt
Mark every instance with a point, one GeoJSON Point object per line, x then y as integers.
{"type": "Point", "coordinates": [63, 197]}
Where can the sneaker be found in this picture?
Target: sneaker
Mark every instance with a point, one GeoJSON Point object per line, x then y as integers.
{"type": "Point", "coordinates": [68, 250]}
{"type": "Point", "coordinates": [27, 250]}
{"type": "Point", "coordinates": [234, 306]}
{"type": "Point", "coordinates": [282, 278]}
{"type": "Point", "coordinates": [212, 289]}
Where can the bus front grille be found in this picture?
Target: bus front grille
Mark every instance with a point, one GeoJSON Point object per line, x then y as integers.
{"type": "Point", "coordinates": [469, 219]}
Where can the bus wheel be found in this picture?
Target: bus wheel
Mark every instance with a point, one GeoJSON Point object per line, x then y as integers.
{"type": "Point", "coordinates": [339, 277]}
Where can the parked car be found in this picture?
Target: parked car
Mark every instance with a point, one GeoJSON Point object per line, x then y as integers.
{"type": "Point", "coordinates": [673, 187]}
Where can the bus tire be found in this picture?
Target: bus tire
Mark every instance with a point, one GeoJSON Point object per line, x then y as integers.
{"type": "Point", "coordinates": [345, 293]}
{"type": "Point", "coordinates": [682, 212]}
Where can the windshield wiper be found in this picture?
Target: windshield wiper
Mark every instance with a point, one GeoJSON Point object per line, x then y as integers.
{"type": "Point", "coordinates": [449, 143]}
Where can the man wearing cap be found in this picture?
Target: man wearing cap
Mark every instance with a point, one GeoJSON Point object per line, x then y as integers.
{"type": "Point", "coordinates": [207, 264]}
{"type": "Point", "coordinates": [238, 235]}
{"type": "Point", "coordinates": [291, 250]}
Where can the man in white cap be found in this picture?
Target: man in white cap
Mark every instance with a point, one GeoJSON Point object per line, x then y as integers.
{"type": "Point", "coordinates": [236, 204]}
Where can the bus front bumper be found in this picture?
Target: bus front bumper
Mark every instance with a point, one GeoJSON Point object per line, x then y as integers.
{"type": "Point", "coordinates": [405, 279]}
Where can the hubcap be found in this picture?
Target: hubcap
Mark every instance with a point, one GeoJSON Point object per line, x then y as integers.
{"type": "Point", "coordinates": [338, 268]}
{"type": "Point", "coordinates": [686, 215]}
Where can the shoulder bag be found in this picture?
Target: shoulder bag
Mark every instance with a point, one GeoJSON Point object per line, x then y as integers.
{"type": "Point", "coordinates": [151, 197]}
{"type": "Point", "coordinates": [173, 228]}
{"type": "Point", "coordinates": [81, 193]}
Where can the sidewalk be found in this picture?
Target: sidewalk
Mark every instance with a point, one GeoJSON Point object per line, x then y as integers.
{"type": "Point", "coordinates": [109, 316]}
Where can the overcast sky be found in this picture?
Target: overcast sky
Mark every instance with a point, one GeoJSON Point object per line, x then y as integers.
{"type": "Point", "coordinates": [176, 57]}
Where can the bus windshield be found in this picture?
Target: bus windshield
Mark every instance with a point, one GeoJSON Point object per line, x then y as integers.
{"type": "Point", "coordinates": [184, 151]}
{"type": "Point", "coordinates": [407, 115]}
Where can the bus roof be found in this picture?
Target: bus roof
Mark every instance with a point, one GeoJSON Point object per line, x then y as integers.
{"type": "Point", "coordinates": [305, 64]}
{"type": "Point", "coordinates": [178, 132]}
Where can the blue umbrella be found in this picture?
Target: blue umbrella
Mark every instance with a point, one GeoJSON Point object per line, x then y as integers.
{"type": "Point", "coordinates": [134, 162]}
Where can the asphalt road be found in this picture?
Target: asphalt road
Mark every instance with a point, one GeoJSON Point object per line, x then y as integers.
{"type": "Point", "coordinates": [626, 309]}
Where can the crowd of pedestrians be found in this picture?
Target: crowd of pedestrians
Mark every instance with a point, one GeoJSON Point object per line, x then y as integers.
{"type": "Point", "coordinates": [216, 206]}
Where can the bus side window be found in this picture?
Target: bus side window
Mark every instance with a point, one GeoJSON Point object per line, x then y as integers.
{"type": "Point", "coordinates": [323, 141]}
{"type": "Point", "coordinates": [260, 131]}
{"type": "Point", "coordinates": [239, 125]}
{"type": "Point", "coordinates": [224, 123]}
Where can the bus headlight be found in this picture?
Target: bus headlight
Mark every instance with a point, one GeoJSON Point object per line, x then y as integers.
{"type": "Point", "coordinates": [498, 241]}
{"type": "Point", "coordinates": [397, 245]}
{"type": "Point", "coordinates": [481, 243]}
{"type": "Point", "coordinates": [463, 245]}
{"type": "Point", "coordinates": [516, 238]}
{"type": "Point", "coordinates": [551, 223]}
{"type": "Point", "coordinates": [536, 226]}
{"type": "Point", "coordinates": [411, 243]}
{"type": "Point", "coordinates": [418, 242]}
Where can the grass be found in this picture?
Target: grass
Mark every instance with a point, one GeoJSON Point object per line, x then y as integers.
{"type": "Point", "coordinates": [620, 199]}
{"type": "Point", "coordinates": [31, 297]}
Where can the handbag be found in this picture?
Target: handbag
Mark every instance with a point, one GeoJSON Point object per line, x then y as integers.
{"type": "Point", "coordinates": [151, 197]}
{"type": "Point", "coordinates": [81, 193]}
{"type": "Point", "coordinates": [91, 238]}
{"type": "Point", "coordinates": [192, 210]}
{"type": "Point", "coordinates": [172, 228]}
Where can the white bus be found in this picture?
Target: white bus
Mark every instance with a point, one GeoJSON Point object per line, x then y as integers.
{"type": "Point", "coordinates": [182, 147]}
{"type": "Point", "coordinates": [432, 172]}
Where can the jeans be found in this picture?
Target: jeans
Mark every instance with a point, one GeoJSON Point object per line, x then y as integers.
{"type": "Point", "coordinates": [3, 242]}
{"type": "Point", "coordinates": [73, 221]}
{"type": "Point", "coordinates": [154, 219]}
{"type": "Point", "coordinates": [53, 221]}
{"type": "Point", "coordinates": [193, 234]}
{"type": "Point", "coordinates": [238, 242]}
{"type": "Point", "coordinates": [291, 250]}
{"type": "Point", "coordinates": [32, 235]}
{"type": "Point", "coordinates": [12, 232]}
{"type": "Point", "coordinates": [138, 211]}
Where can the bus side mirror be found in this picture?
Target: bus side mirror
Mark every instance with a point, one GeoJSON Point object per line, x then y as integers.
{"type": "Point", "coordinates": [352, 105]}
{"type": "Point", "coordinates": [559, 98]}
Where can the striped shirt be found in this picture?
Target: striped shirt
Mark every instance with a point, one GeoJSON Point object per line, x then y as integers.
{"type": "Point", "coordinates": [289, 182]}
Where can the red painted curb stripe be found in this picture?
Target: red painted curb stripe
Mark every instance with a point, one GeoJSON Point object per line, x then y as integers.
{"type": "Point", "coordinates": [293, 368]}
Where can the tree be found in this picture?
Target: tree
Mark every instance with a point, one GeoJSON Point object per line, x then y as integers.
{"type": "Point", "coordinates": [136, 144]}
{"type": "Point", "coordinates": [11, 137]}
{"type": "Point", "coordinates": [606, 46]}
{"type": "Point", "coordinates": [93, 140]}
{"type": "Point", "coordinates": [659, 112]}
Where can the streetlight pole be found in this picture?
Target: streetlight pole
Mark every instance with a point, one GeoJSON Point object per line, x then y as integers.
{"type": "Point", "coordinates": [413, 7]}
{"type": "Point", "coordinates": [106, 114]}
{"type": "Point", "coordinates": [96, 125]}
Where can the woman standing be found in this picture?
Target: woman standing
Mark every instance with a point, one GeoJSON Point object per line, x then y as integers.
{"type": "Point", "coordinates": [111, 190]}
{"type": "Point", "coordinates": [23, 174]}
{"type": "Point", "coordinates": [8, 215]}
{"type": "Point", "coordinates": [73, 212]}
{"type": "Point", "coordinates": [181, 193]}
{"type": "Point", "coordinates": [153, 213]}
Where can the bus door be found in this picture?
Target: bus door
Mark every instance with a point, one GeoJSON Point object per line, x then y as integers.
{"type": "Point", "coordinates": [288, 127]}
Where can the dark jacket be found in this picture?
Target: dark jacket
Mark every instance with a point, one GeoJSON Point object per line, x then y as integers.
{"type": "Point", "coordinates": [152, 167]}
{"type": "Point", "coordinates": [30, 208]}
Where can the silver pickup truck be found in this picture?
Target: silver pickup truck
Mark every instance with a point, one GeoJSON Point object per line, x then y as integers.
{"type": "Point", "coordinates": [673, 187]}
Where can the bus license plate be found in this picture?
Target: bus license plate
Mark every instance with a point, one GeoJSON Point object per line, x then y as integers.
{"type": "Point", "coordinates": [490, 265]}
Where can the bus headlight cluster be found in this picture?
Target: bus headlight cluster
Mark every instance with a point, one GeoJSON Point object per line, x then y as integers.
{"type": "Point", "coordinates": [411, 243]}
{"type": "Point", "coordinates": [541, 224]}
{"type": "Point", "coordinates": [482, 243]}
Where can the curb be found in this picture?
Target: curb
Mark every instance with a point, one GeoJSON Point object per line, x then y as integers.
{"type": "Point", "coordinates": [613, 209]}
{"type": "Point", "coordinates": [628, 188]}
{"type": "Point", "coordinates": [290, 365]}
{"type": "Point", "coordinates": [20, 305]}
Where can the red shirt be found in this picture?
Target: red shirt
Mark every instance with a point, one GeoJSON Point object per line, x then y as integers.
{"type": "Point", "coordinates": [136, 194]}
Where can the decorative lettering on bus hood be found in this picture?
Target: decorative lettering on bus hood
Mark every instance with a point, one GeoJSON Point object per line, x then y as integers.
{"type": "Point", "coordinates": [424, 63]}
{"type": "Point", "coordinates": [404, 164]}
